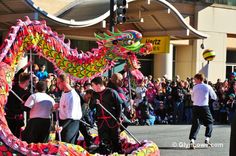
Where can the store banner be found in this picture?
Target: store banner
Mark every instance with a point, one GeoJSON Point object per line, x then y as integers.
{"type": "Point", "coordinates": [160, 44]}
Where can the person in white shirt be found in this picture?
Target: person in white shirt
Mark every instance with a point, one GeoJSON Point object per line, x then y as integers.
{"type": "Point", "coordinates": [70, 111]}
{"type": "Point", "coordinates": [41, 106]}
{"type": "Point", "coordinates": [201, 112]}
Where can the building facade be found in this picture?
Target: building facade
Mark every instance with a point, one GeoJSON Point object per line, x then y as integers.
{"type": "Point", "coordinates": [215, 20]}
{"type": "Point", "coordinates": [212, 17]}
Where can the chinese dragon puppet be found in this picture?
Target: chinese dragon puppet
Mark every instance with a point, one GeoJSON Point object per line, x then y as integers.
{"type": "Point", "coordinates": [37, 36]}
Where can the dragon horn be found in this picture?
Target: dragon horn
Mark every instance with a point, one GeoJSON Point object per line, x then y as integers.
{"type": "Point", "coordinates": [109, 32]}
{"type": "Point", "coordinates": [106, 35]}
{"type": "Point", "coordinates": [98, 37]}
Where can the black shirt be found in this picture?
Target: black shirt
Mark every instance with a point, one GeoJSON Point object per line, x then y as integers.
{"type": "Point", "coordinates": [14, 106]}
{"type": "Point", "coordinates": [110, 99]}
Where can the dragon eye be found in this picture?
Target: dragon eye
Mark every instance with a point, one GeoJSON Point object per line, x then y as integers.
{"type": "Point", "coordinates": [128, 42]}
{"type": "Point", "coordinates": [115, 42]}
{"type": "Point", "coordinates": [130, 36]}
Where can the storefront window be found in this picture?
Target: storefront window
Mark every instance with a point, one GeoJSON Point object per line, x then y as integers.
{"type": "Point", "coordinates": [231, 56]}
{"type": "Point", "coordinates": [230, 63]}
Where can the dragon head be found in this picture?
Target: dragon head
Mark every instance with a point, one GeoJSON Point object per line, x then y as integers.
{"type": "Point", "coordinates": [125, 45]}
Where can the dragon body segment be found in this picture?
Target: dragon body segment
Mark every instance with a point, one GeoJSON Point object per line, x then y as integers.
{"type": "Point", "coordinates": [37, 36]}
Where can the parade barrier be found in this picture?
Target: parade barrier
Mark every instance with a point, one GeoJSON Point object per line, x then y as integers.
{"type": "Point", "coordinates": [38, 37]}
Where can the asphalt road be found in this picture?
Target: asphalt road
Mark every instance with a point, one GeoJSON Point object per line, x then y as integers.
{"type": "Point", "coordinates": [172, 140]}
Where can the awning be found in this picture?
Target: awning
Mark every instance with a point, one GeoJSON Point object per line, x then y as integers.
{"type": "Point", "coordinates": [160, 17]}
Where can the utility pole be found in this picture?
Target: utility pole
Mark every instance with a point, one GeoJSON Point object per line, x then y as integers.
{"type": "Point", "coordinates": [112, 15]}
{"type": "Point", "coordinates": [111, 26]}
{"type": "Point", "coordinates": [116, 17]}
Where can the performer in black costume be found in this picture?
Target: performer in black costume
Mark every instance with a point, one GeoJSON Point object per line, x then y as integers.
{"type": "Point", "coordinates": [14, 107]}
{"type": "Point", "coordinates": [116, 82]}
{"type": "Point", "coordinates": [108, 128]}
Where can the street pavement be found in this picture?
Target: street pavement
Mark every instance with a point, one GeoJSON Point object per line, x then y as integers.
{"type": "Point", "coordinates": [172, 140]}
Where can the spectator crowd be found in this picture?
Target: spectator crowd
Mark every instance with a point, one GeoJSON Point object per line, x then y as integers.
{"type": "Point", "coordinates": [153, 101]}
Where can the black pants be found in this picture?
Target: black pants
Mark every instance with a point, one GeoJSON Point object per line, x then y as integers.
{"type": "Point", "coordinates": [15, 126]}
{"type": "Point", "coordinates": [110, 137]}
{"type": "Point", "coordinates": [69, 131]}
{"type": "Point", "coordinates": [37, 130]}
{"type": "Point", "coordinates": [85, 132]}
{"type": "Point", "coordinates": [233, 137]}
{"type": "Point", "coordinates": [201, 114]}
